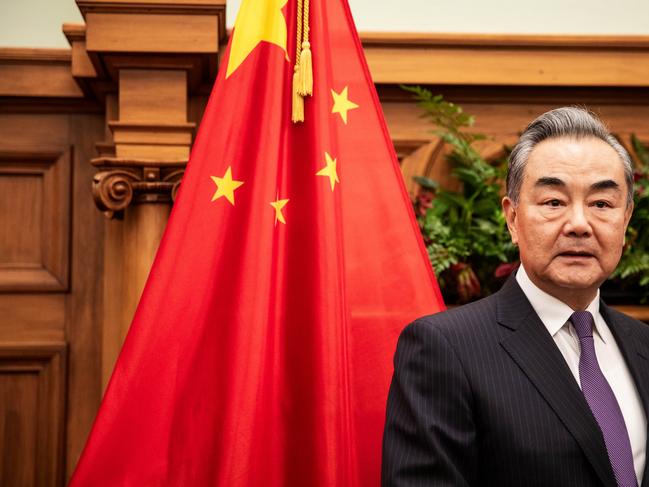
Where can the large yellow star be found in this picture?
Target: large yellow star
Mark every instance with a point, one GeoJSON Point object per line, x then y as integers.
{"type": "Point", "coordinates": [279, 205]}
{"type": "Point", "coordinates": [225, 186]}
{"type": "Point", "coordinates": [342, 104]}
{"type": "Point", "coordinates": [257, 21]}
{"type": "Point", "coordinates": [329, 171]}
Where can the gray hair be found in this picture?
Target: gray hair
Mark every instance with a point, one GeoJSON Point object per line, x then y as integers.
{"type": "Point", "coordinates": [562, 122]}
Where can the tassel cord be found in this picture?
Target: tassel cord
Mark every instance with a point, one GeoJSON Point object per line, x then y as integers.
{"type": "Point", "coordinates": [297, 114]}
{"type": "Point", "coordinates": [306, 56]}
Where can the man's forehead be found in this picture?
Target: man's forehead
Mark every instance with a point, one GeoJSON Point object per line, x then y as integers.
{"type": "Point", "coordinates": [588, 157]}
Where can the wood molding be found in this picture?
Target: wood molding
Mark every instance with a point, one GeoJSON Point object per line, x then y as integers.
{"type": "Point", "coordinates": [508, 60]}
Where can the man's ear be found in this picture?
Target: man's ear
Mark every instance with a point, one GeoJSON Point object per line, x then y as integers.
{"type": "Point", "coordinates": [628, 212]}
{"type": "Point", "coordinates": [509, 208]}
{"type": "Point", "coordinates": [627, 215]}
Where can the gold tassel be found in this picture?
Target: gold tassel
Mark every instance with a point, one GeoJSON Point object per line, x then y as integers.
{"type": "Point", "coordinates": [298, 101]}
{"type": "Point", "coordinates": [306, 70]}
{"type": "Point", "coordinates": [297, 114]}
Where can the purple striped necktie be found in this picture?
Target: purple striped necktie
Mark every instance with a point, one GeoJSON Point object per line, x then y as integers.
{"type": "Point", "coordinates": [602, 402]}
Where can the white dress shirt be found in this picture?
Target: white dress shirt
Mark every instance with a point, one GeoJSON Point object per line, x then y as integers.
{"type": "Point", "coordinates": [555, 314]}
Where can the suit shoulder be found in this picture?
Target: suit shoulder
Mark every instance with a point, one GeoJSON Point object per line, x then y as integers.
{"type": "Point", "coordinates": [469, 317]}
{"type": "Point", "coordinates": [638, 327]}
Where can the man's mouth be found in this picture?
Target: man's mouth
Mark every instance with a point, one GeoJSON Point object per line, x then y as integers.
{"type": "Point", "coordinates": [576, 254]}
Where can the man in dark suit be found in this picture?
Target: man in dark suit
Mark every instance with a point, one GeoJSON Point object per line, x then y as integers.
{"type": "Point", "coordinates": [540, 384]}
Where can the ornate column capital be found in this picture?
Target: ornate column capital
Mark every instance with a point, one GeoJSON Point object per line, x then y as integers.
{"type": "Point", "coordinates": [121, 182]}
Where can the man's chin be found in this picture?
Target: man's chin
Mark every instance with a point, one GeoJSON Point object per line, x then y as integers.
{"type": "Point", "coordinates": [575, 282]}
{"type": "Point", "coordinates": [568, 274]}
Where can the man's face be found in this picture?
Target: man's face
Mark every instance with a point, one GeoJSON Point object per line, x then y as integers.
{"type": "Point", "coordinates": [571, 216]}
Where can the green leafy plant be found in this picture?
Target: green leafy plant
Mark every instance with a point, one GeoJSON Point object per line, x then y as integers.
{"type": "Point", "coordinates": [633, 269]}
{"type": "Point", "coordinates": [464, 231]}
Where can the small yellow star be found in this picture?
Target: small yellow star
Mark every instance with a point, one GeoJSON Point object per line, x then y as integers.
{"type": "Point", "coordinates": [329, 171]}
{"type": "Point", "coordinates": [279, 205]}
{"type": "Point", "coordinates": [225, 186]}
{"type": "Point", "coordinates": [342, 104]}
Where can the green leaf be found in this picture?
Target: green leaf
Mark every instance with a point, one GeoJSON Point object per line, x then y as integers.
{"type": "Point", "coordinates": [468, 175]}
{"type": "Point", "coordinates": [425, 182]}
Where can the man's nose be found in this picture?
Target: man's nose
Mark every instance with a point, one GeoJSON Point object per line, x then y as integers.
{"type": "Point", "coordinates": [577, 221]}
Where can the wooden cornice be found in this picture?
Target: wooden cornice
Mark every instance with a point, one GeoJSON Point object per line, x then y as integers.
{"type": "Point", "coordinates": [74, 32]}
{"type": "Point", "coordinates": [42, 80]}
{"type": "Point", "coordinates": [150, 6]}
{"type": "Point", "coordinates": [146, 34]}
{"type": "Point", "coordinates": [23, 71]}
{"type": "Point", "coordinates": [452, 60]}
{"type": "Point", "coordinates": [166, 7]}
{"type": "Point", "coordinates": [415, 39]}
{"type": "Point", "coordinates": [508, 60]}
{"type": "Point", "coordinates": [23, 55]}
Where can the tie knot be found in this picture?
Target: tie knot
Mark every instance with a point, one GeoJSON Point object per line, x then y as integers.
{"type": "Point", "coordinates": [583, 323]}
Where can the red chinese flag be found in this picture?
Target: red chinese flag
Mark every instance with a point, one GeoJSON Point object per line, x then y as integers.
{"type": "Point", "coordinates": [261, 350]}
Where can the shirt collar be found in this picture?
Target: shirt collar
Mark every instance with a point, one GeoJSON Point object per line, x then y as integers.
{"type": "Point", "coordinates": [553, 312]}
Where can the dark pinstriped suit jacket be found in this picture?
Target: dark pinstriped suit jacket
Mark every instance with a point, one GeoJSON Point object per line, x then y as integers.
{"type": "Point", "coordinates": [481, 395]}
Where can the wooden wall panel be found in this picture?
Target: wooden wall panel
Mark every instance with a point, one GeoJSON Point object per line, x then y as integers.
{"type": "Point", "coordinates": [18, 427]}
{"type": "Point", "coordinates": [34, 209]}
{"type": "Point", "coordinates": [32, 408]}
{"type": "Point", "coordinates": [21, 208]}
{"type": "Point", "coordinates": [84, 303]}
{"type": "Point", "coordinates": [35, 200]}
{"type": "Point", "coordinates": [55, 151]}
{"type": "Point", "coordinates": [27, 318]}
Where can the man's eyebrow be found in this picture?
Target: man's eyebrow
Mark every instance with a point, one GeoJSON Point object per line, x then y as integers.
{"type": "Point", "coordinates": [605, 184]}
{"type": "Point", "coordinates": [549, 181]}
{"type": "Point", "coordinates": [598, 186]}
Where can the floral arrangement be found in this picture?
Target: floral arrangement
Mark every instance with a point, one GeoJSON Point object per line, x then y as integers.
{"type": "Point", "coordinates": [631, 277]}
{"type": "Point", "coordinates": [464, 231]}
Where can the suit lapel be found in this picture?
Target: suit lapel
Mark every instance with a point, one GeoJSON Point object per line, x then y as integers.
{"type": "Point", "coordinates": [637, 358]}
{"type": "Point", "coordinates": [534, 351]}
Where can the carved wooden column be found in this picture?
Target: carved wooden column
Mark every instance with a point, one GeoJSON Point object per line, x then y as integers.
{"type": "Point", "coordinates": [154, 54]}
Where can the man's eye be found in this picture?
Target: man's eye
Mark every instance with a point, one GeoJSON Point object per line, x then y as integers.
{"type": "Point", "coordinates": [553, 203]}
{"type": "Point", "coordinates": [602, 204]}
